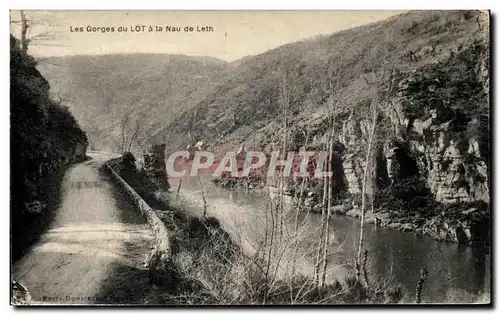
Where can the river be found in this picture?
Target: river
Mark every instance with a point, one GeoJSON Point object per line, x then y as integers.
{"type": "Point", "coordinates": [456, 273]}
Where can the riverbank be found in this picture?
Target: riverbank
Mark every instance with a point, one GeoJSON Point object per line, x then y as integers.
{"type": "Point", "coordinates": [464, 224]}
{"type": "Point", "coordinates": [465, 227]}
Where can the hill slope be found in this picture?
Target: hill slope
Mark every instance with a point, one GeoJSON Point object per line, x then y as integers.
{"type": "Point", "coordinates": [432, 130]}
{"type": "Point", "coordinates": [249, 97]}
{"type": "Point", "coordinates": [149, 89]}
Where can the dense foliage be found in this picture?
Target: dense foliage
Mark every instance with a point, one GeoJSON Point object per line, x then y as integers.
{"type": "Point", "coordinates": [454, 82]}
{"type": "Point", "coordinates": [455, 90]}
{"type": "Point", "coordinates": [44, 137]}
{"type": "Point", "coordinates": [461, 93]}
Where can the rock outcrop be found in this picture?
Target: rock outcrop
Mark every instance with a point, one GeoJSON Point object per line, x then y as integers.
{"type": "Point", "coordinates": [429, 166]}
{"type": "Point", "coordinates": [447, 146]}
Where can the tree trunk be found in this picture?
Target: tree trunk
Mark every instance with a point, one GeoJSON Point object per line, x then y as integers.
{"type": "Point", "coordinates": [24, 31]}
{"type": "Point", "coordinates": [328, 213]}
{"type": "Point", "coordinates": [363, 190]}
{"type": "Point", "coordinates": [133, 137]}
{"type": "Point", "coordinates": [124, 126]}
{"type": "Point", "coordinates": [300, 197]}
{"type": "Point", "coordinates": [282, 179]}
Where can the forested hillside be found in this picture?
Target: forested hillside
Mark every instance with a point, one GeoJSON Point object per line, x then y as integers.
{"type": "Point", "coordinates": [121, 100]}
{"type": "Point", "coordinates": [249, 100]}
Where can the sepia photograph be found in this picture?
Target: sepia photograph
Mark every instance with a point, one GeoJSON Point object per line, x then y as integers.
{"type": "Point", "coordinates": [219, 158]}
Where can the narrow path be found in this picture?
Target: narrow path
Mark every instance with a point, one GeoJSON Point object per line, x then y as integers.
{"type": "Point", "coordinates": [93, 253]}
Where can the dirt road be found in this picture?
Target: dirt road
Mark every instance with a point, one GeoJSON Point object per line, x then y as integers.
{"type": "Point", "coordinates": [93, 253]}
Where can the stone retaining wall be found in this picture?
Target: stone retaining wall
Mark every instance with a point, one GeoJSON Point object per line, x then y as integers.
{"type": "Point", "coordinates": [160, 232]}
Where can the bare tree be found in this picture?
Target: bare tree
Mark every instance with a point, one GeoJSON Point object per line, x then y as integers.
{"type": "Point", "coordinates": [44, 35]}
{"type": "Point", "coordinates": [335, 99]}
{"type": "Point", "coordinates": [299, 195]}
{"type": "Point", "coordinates": [138, 125]}
{"type": "Point", "coordinates": [138, 130]}
{"type": "Point", "coordinates": [381, 89]}
{"type": "Point", "coordinates": [24, 30]}
{"type": "Point", "coordinates": [285, 95]}
{"type": "Point", "coordinates": [124, 125]}
{"type": "Point", "coordinates": [329, 201]}
{"type": "Point", "coordinates": [202, 189]}
{"type": "Point", "coordinates": [374, 112]}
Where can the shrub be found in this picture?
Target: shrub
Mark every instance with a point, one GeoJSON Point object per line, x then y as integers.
{"type": "Point", "coordinates": [128, 159]}
{"type": "Point", "coordinates": [448, 87]}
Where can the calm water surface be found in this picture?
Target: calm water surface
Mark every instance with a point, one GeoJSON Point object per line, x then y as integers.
{"type": "Point", "coordinates": [453, 270]}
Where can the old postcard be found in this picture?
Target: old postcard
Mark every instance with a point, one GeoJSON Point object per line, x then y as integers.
{"type": "Point", "coordinates": [250, 157]}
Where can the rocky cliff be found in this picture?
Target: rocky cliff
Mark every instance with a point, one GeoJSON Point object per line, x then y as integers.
{"type": "Point", "coordinates": [445, 143]}
{"type": "Point", "coordinates": [430, 167]}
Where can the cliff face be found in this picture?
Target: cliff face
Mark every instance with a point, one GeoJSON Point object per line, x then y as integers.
{"type": "Point", "coordinates": [452, 174]}
{"type": "Point", "coordinates": [430, 163]}
{"type": "Point", "coordinates": [445, 144]}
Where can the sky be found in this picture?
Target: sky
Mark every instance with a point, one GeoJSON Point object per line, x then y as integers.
{"type": "Point", "coordinates": [227, 35]}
